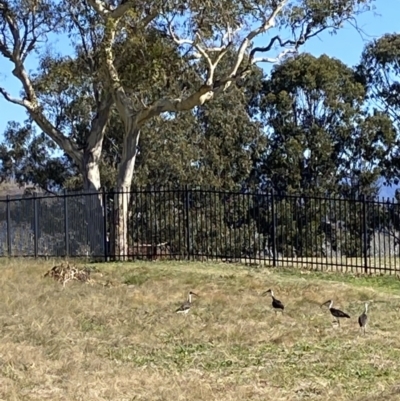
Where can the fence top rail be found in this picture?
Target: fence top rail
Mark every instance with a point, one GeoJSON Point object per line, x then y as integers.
{"type": "Point", "coordinates": [200, 190]}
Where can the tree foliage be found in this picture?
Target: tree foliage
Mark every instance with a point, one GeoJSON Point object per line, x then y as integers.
{"type": "Point", "coordinates": [321, 138]}
{"type": "Point", "coordinates": [380, 70]}
{"type": "Point", "coordinates": [28, 158]}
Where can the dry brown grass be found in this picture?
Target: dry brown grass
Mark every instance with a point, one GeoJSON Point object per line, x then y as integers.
{"type": "Point", "coordinates": [91, 342]}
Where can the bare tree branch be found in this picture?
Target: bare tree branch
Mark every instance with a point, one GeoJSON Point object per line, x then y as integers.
{"type": "Point", "coordinates": [99, 123]}
{"type": "Point", "coordinates": [268, 23]}
{"type": "Point", "coordinates": [204, 94]}
{"type": "Point", "coordinates": [11, 99]}
{"type": "Point", "coordinates": [276, 59]}
{"type": "Point", "coordinates": [203, 52]}
{"type": "Point", "coordinates": [234, 74]}
{"type": "Point", "coordinates": [38, 116]}
{"type": "Point", "coordinates": [308, 34]}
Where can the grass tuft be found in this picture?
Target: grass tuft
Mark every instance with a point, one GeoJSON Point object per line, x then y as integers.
{"type": "Point", "coordinates": [123, 341]}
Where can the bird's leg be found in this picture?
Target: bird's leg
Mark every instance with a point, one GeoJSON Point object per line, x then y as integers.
{"type": "Point", "coordinates": [338, 321]}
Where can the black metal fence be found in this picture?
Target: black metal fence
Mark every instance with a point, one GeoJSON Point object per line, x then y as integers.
{"type": "Point", "coordinates": [328, 233]}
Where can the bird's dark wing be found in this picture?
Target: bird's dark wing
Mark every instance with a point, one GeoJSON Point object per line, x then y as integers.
{"type": "Point", "coordinates": [339, 313]}
{"type": "Point", "coordinates": [278, 304]}
{"type": "Point", "coordinates": [362, 320]}
{"type": "Point", "coordinates": [183, 307]}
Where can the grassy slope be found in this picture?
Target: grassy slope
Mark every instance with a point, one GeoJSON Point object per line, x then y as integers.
{"type": "Point", "coordinates": [89, 342]}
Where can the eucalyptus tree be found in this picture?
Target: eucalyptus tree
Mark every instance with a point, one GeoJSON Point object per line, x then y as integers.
{"type": "Point", "coordinates": [379, 69]}
{"type": "Point", "coordinates": [204, 32]}
{"type": "Point", "coordinates": [323, 137]}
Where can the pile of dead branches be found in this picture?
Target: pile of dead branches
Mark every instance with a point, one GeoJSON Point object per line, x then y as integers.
{"type": "Point", "coordinates": [66, 272]}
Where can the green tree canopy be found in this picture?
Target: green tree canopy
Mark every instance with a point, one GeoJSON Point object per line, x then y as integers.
{"type": "Point", "coordinates": [380, 71]}
{"type": "Point", "coordinates": [321, 137]}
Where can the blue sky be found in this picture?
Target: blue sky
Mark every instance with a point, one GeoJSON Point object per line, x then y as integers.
{"type": "Point", "coordinates": [345, 45]}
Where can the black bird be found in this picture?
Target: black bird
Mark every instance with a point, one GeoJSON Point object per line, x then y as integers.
{"type": "Point", "coordinates": [363, 319]}
{"type": "Point", "coordinates": [336, 313]}
{"type": "Point", "coordinates": [276, 304]}
{"type": "Point", "coordinates": [185, 307]}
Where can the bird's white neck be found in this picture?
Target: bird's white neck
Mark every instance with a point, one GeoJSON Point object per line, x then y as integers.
{"type": "Point", "coordinates": [272, 293]}
{"type": "Point", "coordinates": [331, 304]}
{"type": "Point", "coordinates": [190, 298]}
{"type": "Point", "coordinates": [366, 308]}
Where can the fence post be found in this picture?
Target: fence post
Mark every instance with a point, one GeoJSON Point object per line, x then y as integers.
{"type": "Point", "coordinates": [111, 253]}
{"type": "Point", "coordinates": [188, 242]}
{"type": "Point", "coordinates": [105, 243]}
{"type": "Point", "coordinates": [36, 224]}
{"type": "Point", "coordinates": [273, 228]}
{"type": "Point", "coordinates": [66, 224]}
{"type": "Point", "coordinates": [9, 240]}
{"type": "Point", "coordinates": [365, 234]}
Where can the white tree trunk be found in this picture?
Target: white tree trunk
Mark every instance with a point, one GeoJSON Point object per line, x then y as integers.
{"type": "Point", "coordinates": [91, 175]}
{"type": "Point", "coordinates": [123, 194]}
{"type": "Point", "coordinates": [95, 209]}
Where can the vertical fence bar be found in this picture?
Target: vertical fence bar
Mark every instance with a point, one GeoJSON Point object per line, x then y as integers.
{"type": "Point", "coordinates": [105, 242]}
{"type": "Point", "coordinates": [187, 221]}
{"type": "Point", "coordinates": [374, 231]}
{"type": "Point", "coordinates": [365, 234]}
{"type": "Point", "coordinates": [66, 224]}
{"type": "Point", "coordinates": [395, 259]}
{"type": "Point", "coordinates": [36, 224]}
{"type": "Point", "coordinates": [273, 228]}
{"type": "Point", "coordinates": [346, 205]}
{"type": "Point", "coordinates": [124, 240]}
{"type": "Point", "coordinates": [142, 230]}
{"type": "Point", "coordinates": [9, 240]}
{"type": "Point", "coordinates": [203, 197]}
{"type": "Point", "coordinates": [156, 222]}
{"type": "Point", "coordinates": [197, 229]}
{"type": "Point", "coordinates": [391, 241]}
{"type": "Point", "coordinates": [381, 209]}
{"type": "Point", "coordinates": [114, 209]}
{"type": "Point", "coordinates": [230, 224]}
{"type": "Point", "coordinates": [118, 227]}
